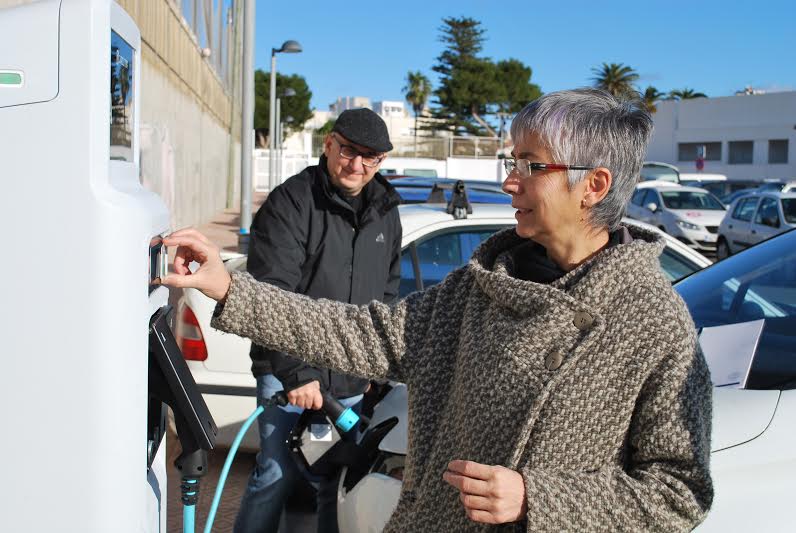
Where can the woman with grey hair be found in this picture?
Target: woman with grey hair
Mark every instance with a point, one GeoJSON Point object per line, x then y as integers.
{"type": "Point", "coordinates": [555, 383]}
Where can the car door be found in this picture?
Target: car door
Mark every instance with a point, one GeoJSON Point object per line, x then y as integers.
{"type": "Point", "coordinates": [427, 260]}
{"type": "Point", "coordinates": [739, 226]}
{"type": "Point", "coordinates": [766, 222]}
{"type": "Point", "coordinates": [645, 213]}
{"type": "Point", "coordinates": [634, 207]}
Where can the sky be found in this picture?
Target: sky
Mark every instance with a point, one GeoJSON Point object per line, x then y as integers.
{"type": "Point", "coordinates": [356, 48]}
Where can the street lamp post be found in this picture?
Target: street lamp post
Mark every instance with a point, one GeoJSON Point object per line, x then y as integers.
{"type": "Point", "coordinates": [286, 93]}
{"type": "Point", "coordinates": [247, 125]}
{"type": "Point", "coordinates": [288, 47]}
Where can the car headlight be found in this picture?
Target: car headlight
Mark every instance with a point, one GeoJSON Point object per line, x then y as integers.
{"type": "Point", "coordinates": [687, 225]}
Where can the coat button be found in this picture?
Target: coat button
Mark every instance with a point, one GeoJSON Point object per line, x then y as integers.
{"type": "Point", "coordinates": [553, 361]}
{"type": "Point", "coordinates": [583, 320]}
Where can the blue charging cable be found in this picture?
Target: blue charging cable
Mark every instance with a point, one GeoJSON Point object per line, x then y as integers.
{"type": "Point", "coordinates": [344, 418]}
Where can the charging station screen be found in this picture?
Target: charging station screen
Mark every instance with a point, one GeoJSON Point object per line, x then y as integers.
{"type": "Point", "coordinates": [121, 99]}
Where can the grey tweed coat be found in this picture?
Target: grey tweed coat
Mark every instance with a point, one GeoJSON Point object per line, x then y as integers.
{"type": "Point", "coordinates": [592, 387]}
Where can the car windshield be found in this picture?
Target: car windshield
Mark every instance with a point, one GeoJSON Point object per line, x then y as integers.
{"type": "Point", "coordinates": [659, 173]}
{"type": "Point", "coordinates": [691, 200]}
{"type": "Point", "coordinates": [757, 284]}
{"type": "Point", "coordinates": [789, 209]}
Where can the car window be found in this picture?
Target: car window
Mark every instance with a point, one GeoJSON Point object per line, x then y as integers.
{"type": "Point", "coordinates": [638, 196]}
{"type": "Point", "coordinates": [789, 210]}
{"type": "Point", "coordinates": [651, 198]}
{"type": "Point", "coordinates": [676, 266]}
{"type": "Point", "coordinates": [767, 214]}
{"type": "Point", "coordinates": [745, 209]}
{"type": "Point", "coordinates": [438, 255]}
{"type": "Point", "coordinates": [759, 283]}
{"type": "Point", "coordinates": [691, 200]}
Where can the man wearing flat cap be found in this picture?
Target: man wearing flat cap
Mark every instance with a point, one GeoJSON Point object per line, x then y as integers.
{"type": "Point", "coordinates": [332, 231]}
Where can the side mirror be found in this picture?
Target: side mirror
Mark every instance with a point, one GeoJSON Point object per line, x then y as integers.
{"type": "Point", "coordinates": [652, 206]}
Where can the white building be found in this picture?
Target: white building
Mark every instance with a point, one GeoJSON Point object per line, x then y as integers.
{"type": "Point", "coordinates": [744, 137]}
{"type": "Point", "coordinates": [349, 102]}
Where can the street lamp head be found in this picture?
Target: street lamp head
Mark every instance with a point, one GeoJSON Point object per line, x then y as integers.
{"type": "Point", "coordinates": [290, 47]}
{"type": "Point", "coordinates": [289, 92]}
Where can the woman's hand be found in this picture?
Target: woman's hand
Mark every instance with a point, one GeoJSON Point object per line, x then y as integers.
{"type": "Point", "coordinates": [490, 494]}
{"type": "Point", "coordinates": [211, 278]}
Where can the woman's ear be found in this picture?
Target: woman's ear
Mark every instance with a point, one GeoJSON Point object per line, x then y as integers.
{"type": "Point", "coordinates": [598, 182]}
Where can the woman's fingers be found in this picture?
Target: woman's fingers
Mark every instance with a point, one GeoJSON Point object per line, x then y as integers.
{"type": "Point", "coordinates": [476, 503]}
{"type": "Point", "coordinates": [466, 484]}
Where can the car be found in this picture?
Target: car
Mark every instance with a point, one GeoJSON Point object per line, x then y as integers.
{"type": "Point", "coordinates": [418, 190]}
{"type": "Point", "coordinates": [753, 459]}
{"type": "Point", "coordinates": [657, 171]}
{"type": "Point", "coordinates": [434, 243]}
{"type": "Point", "coordinates": [722, 188]}
{"type": "Point", "coordinates": [689, 214]}
{"type": "Point", "coordinates": [753, 218]}
{"type": "Point", "coordinates": [778, 186]}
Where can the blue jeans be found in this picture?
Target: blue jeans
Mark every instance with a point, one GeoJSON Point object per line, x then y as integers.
{"type": "Point", "coordinates": [276, 474]}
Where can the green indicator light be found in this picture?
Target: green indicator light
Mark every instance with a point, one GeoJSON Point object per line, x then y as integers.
{"type": "Point", "coordinates": [10, 78]}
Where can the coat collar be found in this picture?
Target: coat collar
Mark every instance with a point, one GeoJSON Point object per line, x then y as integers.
{"type": "Point", "coordinates": [592, 285]}
{"type": "Point", "coordinates": [379, 194]}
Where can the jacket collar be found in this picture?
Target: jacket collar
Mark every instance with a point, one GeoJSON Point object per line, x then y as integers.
{"type": "Point", "coordinates": [593, 284]}
{"type": "Point", "coordinates": [378, 195]}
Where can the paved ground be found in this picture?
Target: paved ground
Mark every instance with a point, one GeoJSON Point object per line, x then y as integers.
{"type": "Point", "coordinates": [223, 230]}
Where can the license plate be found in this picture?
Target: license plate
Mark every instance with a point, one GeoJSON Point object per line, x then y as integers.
{"type": "Point", "coordinates": [710, 237]}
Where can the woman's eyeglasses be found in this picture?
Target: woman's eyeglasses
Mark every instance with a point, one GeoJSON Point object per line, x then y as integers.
{"type": "Point", "coordinates": [369, 159]}
{"type": "Point", "coordinates": [526, 168]}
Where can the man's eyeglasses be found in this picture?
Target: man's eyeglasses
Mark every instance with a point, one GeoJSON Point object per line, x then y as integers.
{"type": "Point", "coordinates": [526, 168]}
{"type": "Point", "coordinates": [369, 159]}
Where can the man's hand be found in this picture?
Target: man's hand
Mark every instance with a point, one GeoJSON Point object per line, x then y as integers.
{"type": "Point", "coordinates": [211, 278]}
{"type": "Point", "coordinates": [490, 494]}
{"type": "Point", "coordinates": [307, 396]}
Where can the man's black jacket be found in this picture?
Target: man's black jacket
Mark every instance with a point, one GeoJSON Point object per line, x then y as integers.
{"type": "Point", "coordinates": [309, 240]}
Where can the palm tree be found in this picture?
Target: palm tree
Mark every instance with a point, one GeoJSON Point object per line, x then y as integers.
{"type": "Point", "coordinates": [650, 96]}
{"type": "Point", "coordinates": [417, 91]}
{"type": "Point", "coordinates": [685, 94]}
{"type": "Point", "coordinates": [616, 78]}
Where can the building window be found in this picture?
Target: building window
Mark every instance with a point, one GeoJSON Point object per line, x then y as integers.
{"type": "Point", "coordinates": [690, 151]}
{"type": "Point", "coordinates": [778, 151]}
{"type": "Point", "coordinates": [740, 152]}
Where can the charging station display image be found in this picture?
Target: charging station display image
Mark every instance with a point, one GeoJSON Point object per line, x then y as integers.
{"type": "Point", "coordinates": [122, 99]}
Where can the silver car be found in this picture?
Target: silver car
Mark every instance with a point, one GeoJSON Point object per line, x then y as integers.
{"type": "Point", "coordinates": [689, 214]}
{"type": "Point", "coordinates": [754, 218]}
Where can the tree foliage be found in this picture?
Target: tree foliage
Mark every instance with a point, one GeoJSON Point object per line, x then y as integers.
{"type": "Point", "coordinates": [473, 89]}
{"type": "Point", "coordinates": [684, 94]}
{"type": "Point", "coordinates": [619, 80]}
{"type": "Point", "coordinates": [650, 96]}
{"type": "Point", "coordinates": [616, 78]}
{"type": "Point", "coordinates": [295, 110]}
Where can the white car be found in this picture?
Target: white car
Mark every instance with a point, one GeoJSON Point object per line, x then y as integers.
{"type": "Point", "coordinates": [689, 214]}
{"type": "Point", "coordinates": [754, 218]}
{"type": "Point", "coordinates": [753, 457]}
{"type": "Point", "coordinates": [434, 243]}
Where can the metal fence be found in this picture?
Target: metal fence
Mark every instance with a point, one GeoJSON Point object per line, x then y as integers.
{"type": "Point", "coordinates": [434, 147]}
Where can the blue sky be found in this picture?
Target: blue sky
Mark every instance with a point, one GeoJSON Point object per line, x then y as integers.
{"type": "Point", "coordinates": [356, 48]}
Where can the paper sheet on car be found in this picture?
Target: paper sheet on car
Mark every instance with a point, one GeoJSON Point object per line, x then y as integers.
{"type": "Point", "coordinates": [730, 351]}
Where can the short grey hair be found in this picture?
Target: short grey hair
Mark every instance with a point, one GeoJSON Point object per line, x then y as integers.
{"type": "Point", "coordinates": [591, 127]}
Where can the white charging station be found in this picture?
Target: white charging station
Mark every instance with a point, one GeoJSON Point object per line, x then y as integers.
{"type": "Point", "coordinates": [80, 249]}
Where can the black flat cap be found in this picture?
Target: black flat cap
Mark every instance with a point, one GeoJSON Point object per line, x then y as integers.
{"type": "Point", "coordinates": [364, 127]}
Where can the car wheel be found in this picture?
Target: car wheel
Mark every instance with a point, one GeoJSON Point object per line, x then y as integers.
{"type": "Point", "coordinates": [722, 249]}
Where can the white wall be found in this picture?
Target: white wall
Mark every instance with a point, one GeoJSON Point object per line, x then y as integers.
{"type": "Point", "coordinates": [757, 118]}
